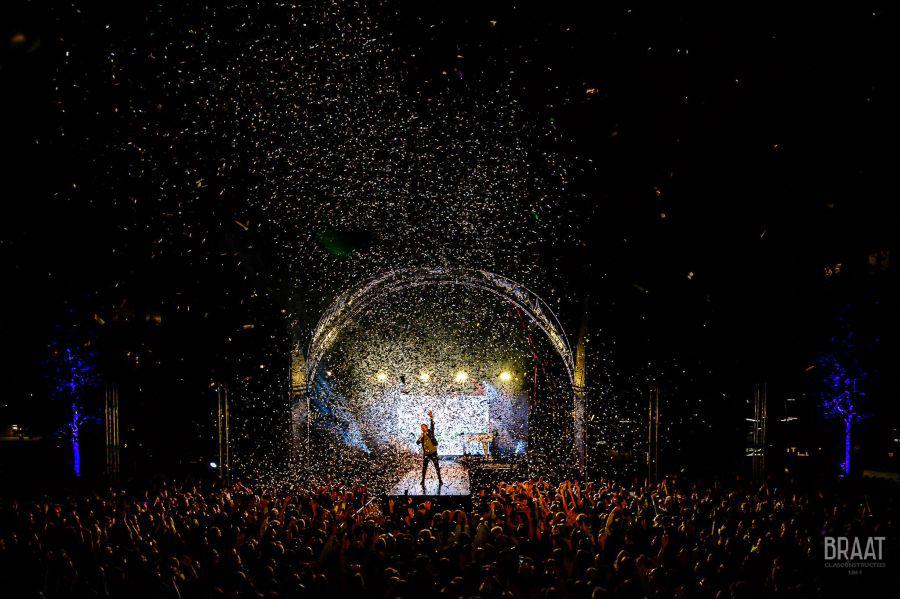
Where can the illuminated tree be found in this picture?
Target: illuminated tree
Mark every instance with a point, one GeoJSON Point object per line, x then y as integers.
{"type": "Point", "coordinates": [843, 378]}
{"type": "Point", "coordinates": [72, 371]}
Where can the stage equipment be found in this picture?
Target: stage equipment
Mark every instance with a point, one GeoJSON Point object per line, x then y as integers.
{"type": "Point", "coordinates": [653, 435]}
{"type": "Point", "coordinates": [485, 439]}
{"type": "Point", "coordinates": [222, 428]}
{"type": "Point", "coordinates": [758, 451]}
{"type": "Point", "coordinates": [111, 429]}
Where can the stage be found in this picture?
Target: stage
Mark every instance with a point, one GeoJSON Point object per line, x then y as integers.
{"type": "Point", "coordinates": [460, 473]}
{"type": "Point", "coordinates": [454, 474]}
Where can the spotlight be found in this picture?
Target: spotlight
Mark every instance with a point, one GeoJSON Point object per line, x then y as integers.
{"type": "Point", "coordinates": [381, 377]}
{"type": "Point", "coordinates": [461, 376]}
{"type": "Point", "coordinates": [424, 377]}
{"type": "Point", "coordinates": [213, 465]}
{"type": "Point", "coordinates": [505, 376]}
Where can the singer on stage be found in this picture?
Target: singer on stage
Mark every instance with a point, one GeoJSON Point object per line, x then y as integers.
{"type": "Point", "coordinates": [429, 449]}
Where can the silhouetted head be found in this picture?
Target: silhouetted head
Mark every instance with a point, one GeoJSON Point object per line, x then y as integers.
{"type": "Point", "coordinates": [424, 428]}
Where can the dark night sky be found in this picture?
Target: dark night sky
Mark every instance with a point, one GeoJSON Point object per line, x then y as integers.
{"type": "Point", "coordinates": [738, 152]}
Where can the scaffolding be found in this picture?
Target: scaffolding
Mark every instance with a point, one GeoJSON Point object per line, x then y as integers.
{"type": "Point", "coordinates": [653, 435]}
{"type": "Point", "coordinates": [758, 432]}
{"type": "Point", "coordinates": [222, 428]}
{"type": "Point", "coordinates": [111, 430]}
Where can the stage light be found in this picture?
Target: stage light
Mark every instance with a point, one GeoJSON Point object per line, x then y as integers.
{"type": "Point", "coordinates": [461, 376]}
{"type": "Point", "coordinates": [424, 377]}
{"type": "Point", "coordinates": [505, 376]}
{"type": "Point", "coordinates": [213, 465]}
{"type": "Point", "coordinates": [381, 377]}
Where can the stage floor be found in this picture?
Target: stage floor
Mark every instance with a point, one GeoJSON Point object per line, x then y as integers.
{"type": "Point", "coordinates": [454, 474]}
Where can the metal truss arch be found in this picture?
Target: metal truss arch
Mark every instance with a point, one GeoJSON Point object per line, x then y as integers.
{"type": "Point", "coordinates": [352, 303]}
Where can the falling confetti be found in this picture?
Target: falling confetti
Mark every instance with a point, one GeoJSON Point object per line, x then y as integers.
{"type": "Point", "coordinates": [295, 133]}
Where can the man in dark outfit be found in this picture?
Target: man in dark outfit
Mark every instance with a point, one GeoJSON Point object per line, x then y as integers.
{"type": "Point", "coordinates": [429, 449]}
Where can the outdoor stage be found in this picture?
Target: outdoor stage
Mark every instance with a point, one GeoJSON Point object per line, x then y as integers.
{"type": "Point", "coordinates": [454, 474]}
{"type": "Point", "coordinates": [460, 474]}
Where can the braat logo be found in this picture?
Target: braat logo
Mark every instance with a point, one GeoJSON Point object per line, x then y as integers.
{"type": "Point", "coordinates": [842, 548]}
{"type": "Point", "coordinates": [854, 553]}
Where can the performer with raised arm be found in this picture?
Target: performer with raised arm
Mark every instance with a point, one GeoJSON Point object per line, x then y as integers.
{"type": "Point", "coordinates": [429, 449]}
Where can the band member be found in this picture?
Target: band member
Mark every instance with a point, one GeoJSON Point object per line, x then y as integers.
{"type": "Point", "coordinates": [429, 449]}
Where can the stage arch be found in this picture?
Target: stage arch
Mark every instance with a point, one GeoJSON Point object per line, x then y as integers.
{"type": "Point", "coordinates": [353, 302]}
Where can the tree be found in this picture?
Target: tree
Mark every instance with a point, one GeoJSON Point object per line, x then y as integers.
{"type": "Point", "coordinates": [843, 379]}
{"type": "Point", "coordinates": [73, 371]}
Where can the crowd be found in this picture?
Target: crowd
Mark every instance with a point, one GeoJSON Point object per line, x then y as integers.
{"type": "Point", "coordinates": [528, 539]}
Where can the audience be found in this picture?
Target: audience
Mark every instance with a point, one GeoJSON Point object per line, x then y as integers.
{"type": "Point", "coordinates": [528, 539]}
